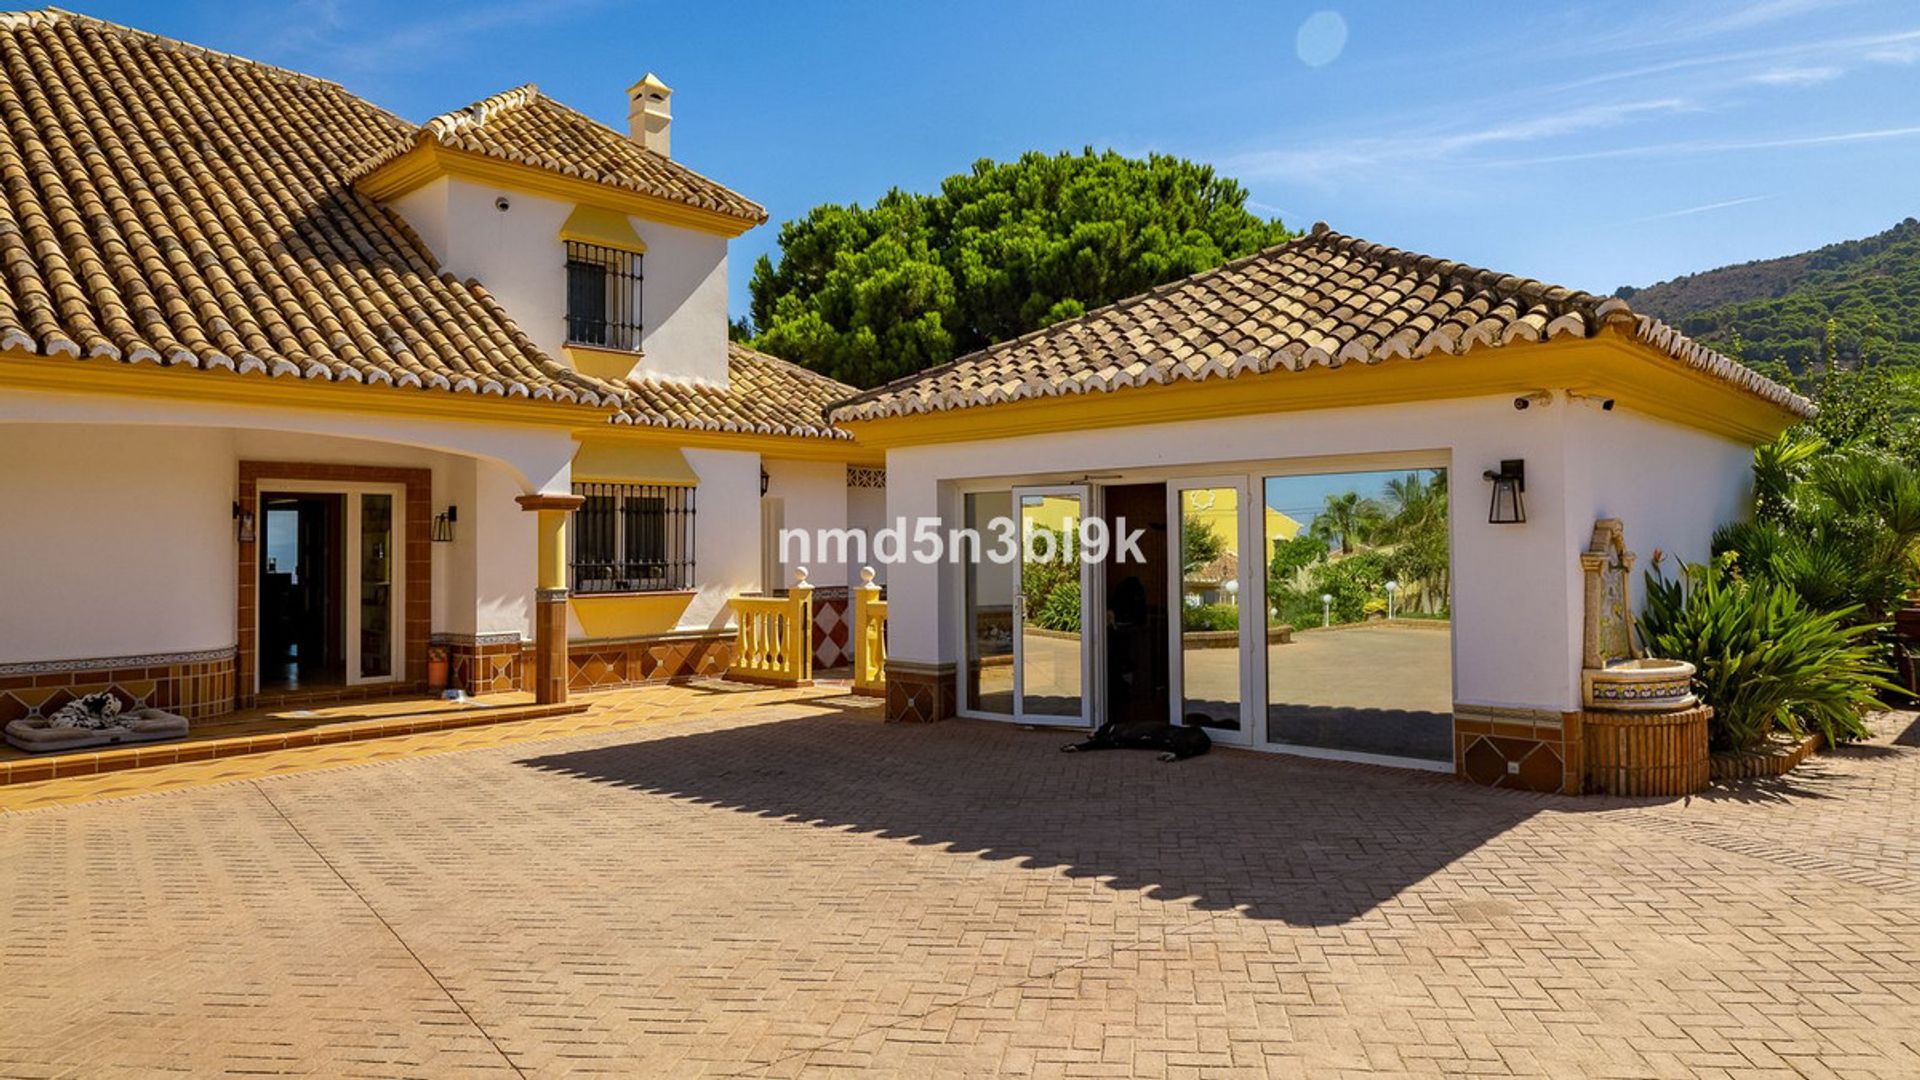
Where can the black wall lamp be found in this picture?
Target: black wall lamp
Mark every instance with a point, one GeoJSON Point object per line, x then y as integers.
{"type": "Point", "coordinates": [764, 481]}
{"type": "Point", "coordinates": [443, 525]}
{"type": "Point", "coordinates": [1509, 493]}
{"type": "Point", "coordinates": [242, 524]}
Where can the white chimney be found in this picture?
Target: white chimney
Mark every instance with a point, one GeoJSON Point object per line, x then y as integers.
{"type": "Point", "coordinates": [648, 113]}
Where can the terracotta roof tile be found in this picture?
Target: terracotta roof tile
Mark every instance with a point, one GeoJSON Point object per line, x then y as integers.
{"type": "Point", "coordinates": [162, 203]}
{"type": "Point", "coordinates": [1321, 299]}
{"type": "Point", "coordinates": [526, 127]}
{"type": "Point", "coordinates": [765, 396]}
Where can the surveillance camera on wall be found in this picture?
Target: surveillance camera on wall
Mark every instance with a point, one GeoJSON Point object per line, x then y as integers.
{"type": "Point", "coordinates": [1604, 404]}
{"type": "Point", "coordinates": [501, 204]}
{"type": "Point", "coordinates": [1542, 398]}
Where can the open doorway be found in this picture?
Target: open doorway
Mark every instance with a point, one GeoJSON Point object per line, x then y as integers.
{"type": "Point", "coordinates": [302, 592]}
{"type": "Point", "coordinates": [1136, 607]}
{"type": "Point", "coordinates": [331, 580]}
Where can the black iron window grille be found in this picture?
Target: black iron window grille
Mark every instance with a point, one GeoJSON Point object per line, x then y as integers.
{"type": "Point", "coordinates": [603, 296]}
{"type": "Point", "coordinates": [632, 538]}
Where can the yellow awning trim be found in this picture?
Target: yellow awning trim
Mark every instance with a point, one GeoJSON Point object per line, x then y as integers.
{"type": "Point", "coordinates": [608, 228]}
{"type": "Point", "coordinates": [628, 463]}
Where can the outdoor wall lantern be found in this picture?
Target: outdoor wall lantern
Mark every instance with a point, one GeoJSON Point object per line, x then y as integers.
{"type": "Point", "coordinates": [764, 481]}
{"type": "Point", "coordinates": [1509, 505]}
{"type": "Point", "coordinates": [242, 524]}
{"type": "Point", "coordinates": [443, 524]}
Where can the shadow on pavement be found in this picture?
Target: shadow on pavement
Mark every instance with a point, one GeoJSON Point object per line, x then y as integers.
{"type": "Point", "coordinates": [1310, 843]}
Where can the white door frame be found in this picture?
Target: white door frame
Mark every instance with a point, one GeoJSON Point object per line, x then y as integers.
{"type": "Point", "coordinates": [349, 566]}
{"type": "Point", "coordinates": [1251, 585]}
{"type": "Point", "coordinates": [1083, 494]}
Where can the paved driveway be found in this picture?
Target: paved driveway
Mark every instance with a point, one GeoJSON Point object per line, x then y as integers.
{"type": "Point", "coordinates": [804, 889]}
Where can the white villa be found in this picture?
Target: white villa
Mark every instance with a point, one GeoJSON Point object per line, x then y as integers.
{"type": "Point", "coordinates": [1256, 391]}
{"type": "Point", "coordinates": [302, 403]}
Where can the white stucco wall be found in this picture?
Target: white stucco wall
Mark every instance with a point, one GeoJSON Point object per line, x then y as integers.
{"type": "Point", "coordinates": [867, 512]}
{"type": "Point", "coordinates": [1670, 486]}
{"type": "Point", "coordinates": [163, 474]}
{"type": "Point", "coordinates": [119, 541]}
{"type": "Point", "coordinates": [726, 540]}
{"type": "Point", "coordinates": [518, 255]}
{"type": "Point", "coordinates": [1516, 605]}
{"type": "Point", "coordinates": [814, 497]}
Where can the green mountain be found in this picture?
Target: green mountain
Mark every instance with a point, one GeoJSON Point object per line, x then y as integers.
{"type": "Point", "coordinates": [1777, 310]}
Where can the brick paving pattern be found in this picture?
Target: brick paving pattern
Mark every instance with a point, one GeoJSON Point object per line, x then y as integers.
{"type": "Point", "coordinates": [796, 888]}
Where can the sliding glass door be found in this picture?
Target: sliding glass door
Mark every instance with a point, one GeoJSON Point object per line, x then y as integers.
{"type": "Point", "coordinates": [1050, 655]}
{"type": "Point", "coordinates": [1207, 592]}
{"type": "Point", "coordinates": [1359, 657]}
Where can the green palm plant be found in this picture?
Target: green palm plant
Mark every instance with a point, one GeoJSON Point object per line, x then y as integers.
{"type": "Point", "coordinates": [1347, 519]}
{"type": "Point", "coordinates": [1766, 659]}
{"type": "Point", "coordinates": [1841, 528]}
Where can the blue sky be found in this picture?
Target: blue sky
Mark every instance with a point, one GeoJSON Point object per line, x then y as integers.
{"type": "Point", "coordinates": [1591, 145]}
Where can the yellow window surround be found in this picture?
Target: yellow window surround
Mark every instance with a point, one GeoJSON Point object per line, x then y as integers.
{"type": "Point", "coordinates": [600, 461]}
{"type": "Point", "coordinates": [607, 228]}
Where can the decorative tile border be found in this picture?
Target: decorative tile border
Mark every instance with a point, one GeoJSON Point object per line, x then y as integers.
{"type": "Point", "coordinates": [919, 693]}
{"type": "Point", "coordinates": [607, 664]}
{"type": "Point", "coordinates": [111, 663]}
{"type": "Point", "coordinates": [1531, 749]}
{"type": "Point", "coordinates": [194, 688]}
{"type": "Point", "coordinates": [502, 637]}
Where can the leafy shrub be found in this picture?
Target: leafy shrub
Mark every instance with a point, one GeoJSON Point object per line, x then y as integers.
{"type": "Point", "coordinates": [1203, 617]}
{"type": "Point", "coordinates": [1766, 658]}
{"type": "Point", "coordinates": [1061, 609]}
{"type": "Point", "coordinates": [1838, 527]}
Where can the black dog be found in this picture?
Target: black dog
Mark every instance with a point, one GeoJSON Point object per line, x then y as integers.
{"type": "Point", "coordinates": [1176, 742]}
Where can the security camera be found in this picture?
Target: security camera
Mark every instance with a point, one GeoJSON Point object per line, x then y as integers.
{"type": "Point", "coordinates": [1542, 398]}
{"type": "Point", "coordinates": [501, 204]}
{"type": "Point", "coordinates": [1604, 404]}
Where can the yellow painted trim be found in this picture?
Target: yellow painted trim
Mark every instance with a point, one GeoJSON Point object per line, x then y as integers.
{"type": "Point", "coordinates": [606, 461]}
{"type": "Point", "coordinates": [613, 365]}
{"type": "Point", "coordinates": [630, 614]}
{"type": "Point", "coordinates": [59, 374]}
{"type": "Point", "coordinates": [429, 161]}
{"type": "Point", "coordinates": [1635, 375]}
{"type": "Point", "coordinates": [112, 378]}
{"type": "Point", "coordinates": [593, 225]}
{"type": "Point", "coordinates": [551, 557]}
{"type": "Point", "coordinates": [772, 447]}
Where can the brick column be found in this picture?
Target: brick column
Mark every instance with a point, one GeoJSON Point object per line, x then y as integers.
{"type": "Point", "coordinates": [550, 596]}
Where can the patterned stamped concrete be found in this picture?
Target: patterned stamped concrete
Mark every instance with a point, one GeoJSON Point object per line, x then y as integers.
{"type": "Point", "coordinates": [752, 886]}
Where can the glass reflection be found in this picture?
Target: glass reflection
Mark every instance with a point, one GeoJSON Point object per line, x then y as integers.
{"type": "Point", "coordinates": [1050, 631]}
{"type": "Point", "coordinates": [1210, 608]}
{"type": "Point", "coordinates": [1359, 653]}
{"type": "Point", "coordinates": [989, 603]}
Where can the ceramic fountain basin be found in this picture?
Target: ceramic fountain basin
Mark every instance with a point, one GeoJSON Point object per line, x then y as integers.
{"type": "Point", "coordinates": [1643, 685]}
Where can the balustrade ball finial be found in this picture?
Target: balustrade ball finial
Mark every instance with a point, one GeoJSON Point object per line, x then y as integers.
{"type": "Point", "coordinates": [866, 575]}
{"type": "Point", "coordinates": [799, 575]}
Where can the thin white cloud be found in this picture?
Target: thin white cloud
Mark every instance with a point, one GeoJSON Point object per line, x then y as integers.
{"type": "Point", "coordinates": [1692, 22]}
{"type": "Point", "coordinates": [328, 36]}
{"type": "Point", "coordinates": [1898, 53]}
{"type": "Point", "coordinates": [1337, 157]}
{"type": "Point", "coordinates": [1701, 209]}
{"type": "Point", "coordinates": [1796, 76]}
{"type": "Point", "coordinates": [1707, 146]}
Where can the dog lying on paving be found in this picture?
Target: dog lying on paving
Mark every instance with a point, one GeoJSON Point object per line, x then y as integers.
{"type": "Point", "coordinates": [1176, 742]}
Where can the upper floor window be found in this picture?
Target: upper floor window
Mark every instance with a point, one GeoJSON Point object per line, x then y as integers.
{"type": "Point", "coordinates": [632, 538]}
{"type": "Point", "coordinates": [603, 296]}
